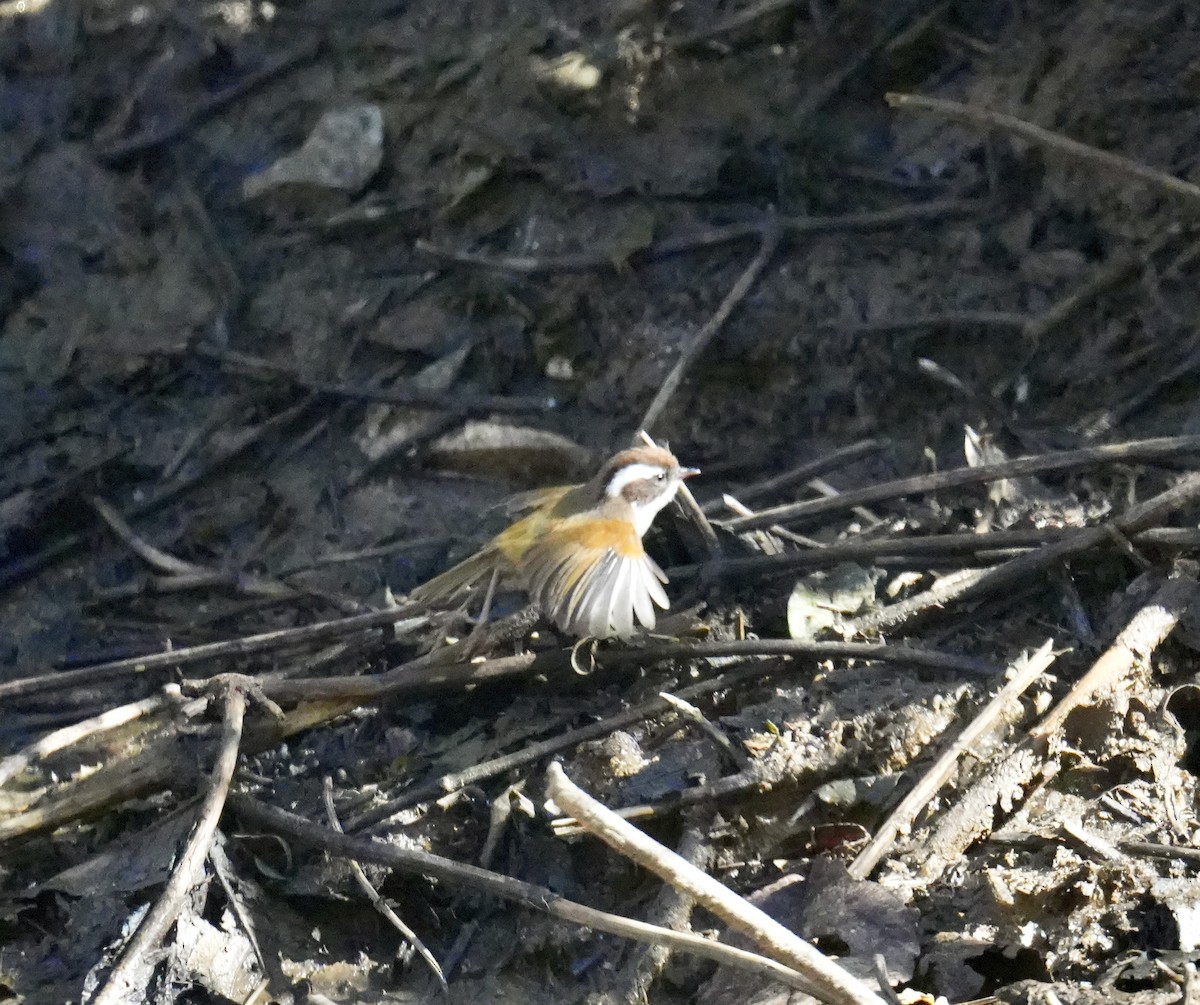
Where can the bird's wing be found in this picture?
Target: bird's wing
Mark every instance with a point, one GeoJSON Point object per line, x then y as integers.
{"type": "Point", "coordinates": [497, 554]}
{"type": "Point", "coordinates": [534, 499]}
{"type": "Point", "coordinates": [594, 578]}
{"type": "Point", "coordinates": [467, 573]}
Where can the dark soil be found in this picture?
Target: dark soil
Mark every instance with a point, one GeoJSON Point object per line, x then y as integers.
{"type": "Point", "coordinates": [518, 221]}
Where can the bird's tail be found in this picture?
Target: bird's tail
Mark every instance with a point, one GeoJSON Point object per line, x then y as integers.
{"type": "Point", "coordinates": [459, 577]}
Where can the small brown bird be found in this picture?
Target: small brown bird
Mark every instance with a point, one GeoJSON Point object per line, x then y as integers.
{"type": "Point", "coordinates": [579, 552]}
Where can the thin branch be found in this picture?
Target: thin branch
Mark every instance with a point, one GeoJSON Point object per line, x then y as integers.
{"type": "Point", "coordinates": [731, 22]}
{"type": "Point", "coordinates": [244, 646]}
{"type": "Point", "coordinates": [700, 341]}
{"type": "Point", "coordinates": [930, 549]}
{"type": "Point", "coordinates": [737, 756]}
{"type": "Point", "coordinates": [736, 507]}
{"type": "Point", "coordinates": [797, 647]}
{"type": "Point", "coordinates": [533, 752]}
{"type": "Point", "coordinates": [122, 984]}
{"type": "Point", "coordinates": [363, 554]}
{"type": "Point", "coordinates": [973, 814]}
{"type": "Point", "coordinates": [157, 136]}
{"type": "Point", "coordinates": [956, 111]}
{"type": "Point", "coordinates": [1009, 321]}
{"type": "Point", "coordinates": [183, 575]}
{"type": "Point", "coordinates": [451, 402]}
{"type": "Point", "coordinates": [831, 983]}
{"type": "Point", "coordinates": [22, 568]}
{"type": "Point", "coordinates": [803, 472]}
{"type": "Point", "coordinates": [380, 905]}
{"type": "Point", "coordinates": [1159, 448]}
{"type": "Point", "coordinates": [945, 590]}
{"type": "Point", "coordinates": [414, 862]}
{"type": "Point", "coordinates": [791, 226]}
{"type": "Point", "coordinates": [222, 868]}
{"type": "Point", "coordinates": [1025, 672]}
{"type": "Point", "coordinates": [1004, 577]}
{"type": "Point", "coordinates": [1144, 633]}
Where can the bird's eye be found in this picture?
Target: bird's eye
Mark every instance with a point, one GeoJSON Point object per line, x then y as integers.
{"type": "Point", "coordinates": [661, 476]}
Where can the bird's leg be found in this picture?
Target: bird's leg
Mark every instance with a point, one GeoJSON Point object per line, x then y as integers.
{"type": "Point", "coordinates": [484, 613]}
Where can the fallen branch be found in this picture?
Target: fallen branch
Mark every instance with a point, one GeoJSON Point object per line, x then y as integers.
{"type": "Point", "coordinates": [803, 472]}
{"type": "Point", "coordinates": [377, 901]}
{"type": "Point", "coordinates": [736, 294]}
{"type": "Point", "coordinates": [414, 862]}
{"type": "Point", "coordinates": [22, 568]}
{"type": "Point", "coordinates": [476, 773]}
{"type": "Point", "coordinates": [928, 549]}
{"type": "Point", "coordinates": [798, 647]}
{"type": "Point", "coordinates": [452, 402]}
{"type": "Point", "coordinates": [789, 226]}
{"type": "Point", "coordinates": [68, 736]}
{"type": "Point", "coordinates": [183, 575]}
{"type": "Point", "coordinates": [316, 700]}
{"type": "Point", "coordinates": [930, 546]}
{"type": "Point", "coordinates": [958, 112]}
{"type": "Point", "coordinates": [122, 983]}
{"type": "Point", "coordinates": [1159, 448]}
{"type": "Point", "coordinates": [243, 646]}
{"type": "Point", "coordinates": [1025, 672]}
{"type": "Point", "coordinates": [1004, 577]}
{"type": "Point", "coordinates": [973, 814]}
{"type": "Point", "coordinates": [156, 136]}
{"type": "Point", "coordinates": [830, 982]}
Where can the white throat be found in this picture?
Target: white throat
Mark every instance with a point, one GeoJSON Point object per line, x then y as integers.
{"type": "Point", "coordinates": [644, 513]}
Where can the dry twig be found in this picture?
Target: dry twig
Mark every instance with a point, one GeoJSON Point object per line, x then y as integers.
{"type": "Point", "coordinates": [972, 815]}
{"type": "Point", "coordinates": [1001, 578]}
{"type": "Point", "coordinates": [380, 905]}
{"type": "Point", "coordinates": [533, 752]}
{"type": "Point", "coordinates": [183, 575]}
{"type": "Point", "coordinates": [471, 877]}
{"type": "Point", "coordinates": [244, 646]}
{"type": "Point", "coordinates": [452, 402]}
{"type": "Point", "coordinates": [958, 112]}
{"type": "Point", "coordinates": [790, 226]}
{"type": "Point", "coordinates": [22, 568]}
{"type": "Point", "coordinates": [829, 981]}
{"type": "Point", "coordinates": [803, 472]}
{"type": "Point", "coordinates": [736, 294]}
{"type": "Point", "coordinates": [930, 549]}
{"type": "Point", "coordinates": [156, 136]}
{"type": "Point", "coordinates": [121, 984]}
{"type": "Point", "coordinates": [1158, 448]}
{"type": "Point", "coordinates": [1027, 670]}
{"type": "Point", "coordinates": [799, 647]}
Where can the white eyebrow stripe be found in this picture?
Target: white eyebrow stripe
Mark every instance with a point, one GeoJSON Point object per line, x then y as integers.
{"type": "Point", "coordinates": [631, 473]}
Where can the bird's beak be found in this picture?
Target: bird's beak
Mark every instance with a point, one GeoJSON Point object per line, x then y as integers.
{"type": "Point", "coordinates": [688, 472]}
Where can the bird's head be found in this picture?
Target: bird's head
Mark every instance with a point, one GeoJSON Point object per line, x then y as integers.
{"type": "Point", "coordinates": [647, 478]}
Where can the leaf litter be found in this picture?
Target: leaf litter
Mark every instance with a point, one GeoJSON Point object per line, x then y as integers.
{"type": "Point", "coordinates": [590, 161]}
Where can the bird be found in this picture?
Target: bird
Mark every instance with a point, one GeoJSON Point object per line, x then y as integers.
{"type": "Point", "coordinates": [578, 553]}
